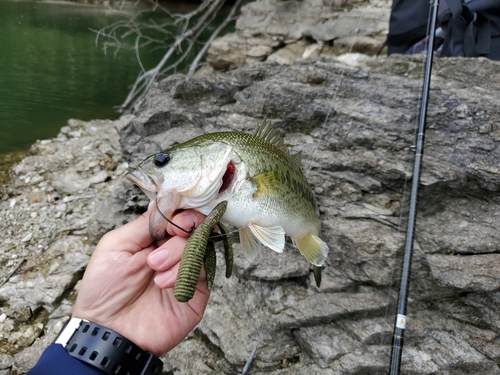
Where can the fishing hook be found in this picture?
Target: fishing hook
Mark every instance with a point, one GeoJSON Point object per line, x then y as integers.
{"type": "Point", "coordinates": [170, 221]}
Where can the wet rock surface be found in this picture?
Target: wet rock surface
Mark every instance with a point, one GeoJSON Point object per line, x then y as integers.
{"type": "Point", "coordinates": [354, 119]}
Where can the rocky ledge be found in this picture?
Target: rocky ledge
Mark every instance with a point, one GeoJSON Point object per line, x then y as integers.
{"type": "Point", "coordinates": [355, 125]}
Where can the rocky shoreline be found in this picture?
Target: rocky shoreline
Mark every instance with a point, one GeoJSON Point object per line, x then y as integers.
{"type": "Point", "coordinates": [70, 190]}
{"type": "Point", "coordinates": [48, 215]}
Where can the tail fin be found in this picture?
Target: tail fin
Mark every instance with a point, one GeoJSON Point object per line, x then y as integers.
{"type": "Point", "coordinates": [313, 248]}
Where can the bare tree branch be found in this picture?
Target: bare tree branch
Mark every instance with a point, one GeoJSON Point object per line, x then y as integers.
{"type": "Point", "coordinates": [158, 35]}
{"type": "Point", "coordinates": [149, 77]}
{"type": "Point", "coordinates": [230, 17]}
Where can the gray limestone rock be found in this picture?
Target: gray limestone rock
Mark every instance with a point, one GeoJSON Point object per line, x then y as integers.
{"type": "Point", "coordinates": [356, 143]}
{"type": "Point", "coordinates": [355, 125]}
{"type": "Point", "coordinates": [285, 31]}
{"type": "Point", "coordinates": [477, 273]}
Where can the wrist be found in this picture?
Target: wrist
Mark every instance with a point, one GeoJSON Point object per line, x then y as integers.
{"type": "Point", "coordinates": [106, 349]}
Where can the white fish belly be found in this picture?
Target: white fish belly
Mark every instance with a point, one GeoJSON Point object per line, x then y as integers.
{"type": "Point", "coordinates": [240, 213]}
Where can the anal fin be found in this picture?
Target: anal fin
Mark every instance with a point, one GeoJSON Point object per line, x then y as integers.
{"type": "Point", "coordinates": [250, 245]}
{"type": "Point", "coordinates": [272, 237]}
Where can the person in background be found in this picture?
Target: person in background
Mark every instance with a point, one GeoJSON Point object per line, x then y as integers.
{"type": "Point", "coordinates": [126, 315]}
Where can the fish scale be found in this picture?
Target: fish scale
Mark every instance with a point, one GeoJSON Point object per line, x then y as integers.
{"type": "Point", "coordinates": [262, 156]}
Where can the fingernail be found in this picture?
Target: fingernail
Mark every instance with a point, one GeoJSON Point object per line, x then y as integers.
{"type": "Point", "coordinates": [187, 221]}
{"type": "Point", "coordinates": [163, 277]}
{"type": "Point", "coordinates": [158, 257]}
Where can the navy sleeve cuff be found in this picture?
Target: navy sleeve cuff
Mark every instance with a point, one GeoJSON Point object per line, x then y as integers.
{"type": "Point", "coordinates": [56, 361]}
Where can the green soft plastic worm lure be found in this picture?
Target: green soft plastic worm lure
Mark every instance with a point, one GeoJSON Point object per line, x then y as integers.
{"type": "Point", "coordinates": [200, 250]}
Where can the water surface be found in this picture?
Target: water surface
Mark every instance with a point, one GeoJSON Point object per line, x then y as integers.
{"type": "Point", "coordinates": [51, 69]}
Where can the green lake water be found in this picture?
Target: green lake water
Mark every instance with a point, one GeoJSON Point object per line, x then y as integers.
{"type": "Point", "coordinates": [51, 69]}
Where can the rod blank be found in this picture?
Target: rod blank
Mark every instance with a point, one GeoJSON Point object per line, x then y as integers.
{"type": "Point", "coordinates": [400, 321]}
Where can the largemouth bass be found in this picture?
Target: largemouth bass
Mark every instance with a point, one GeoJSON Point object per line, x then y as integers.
{"type": "Point", "coordinates": [266, 191]}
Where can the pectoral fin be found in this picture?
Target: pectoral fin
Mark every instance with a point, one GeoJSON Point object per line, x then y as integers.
{"type": "Point", "coordinates": [313, 248]}
{"type": "Point", "coordinates": [266, 183]}
{"type": "Point", "coordinates": [250, 245]}
{"type": "Point", "coordinates": [272, 237]}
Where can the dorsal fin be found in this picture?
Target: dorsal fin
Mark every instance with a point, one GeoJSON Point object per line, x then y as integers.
{"type": "Point", "coordinates": [266, 131]}
{"type": "Point", "coordinates": [297, 159]}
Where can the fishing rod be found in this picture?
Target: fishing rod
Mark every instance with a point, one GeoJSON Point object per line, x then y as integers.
{"type": "Point", "coordinates": [400, 322]}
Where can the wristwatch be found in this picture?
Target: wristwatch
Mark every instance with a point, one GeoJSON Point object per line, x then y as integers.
{"type": "Point", "coordinates": [107, 350]}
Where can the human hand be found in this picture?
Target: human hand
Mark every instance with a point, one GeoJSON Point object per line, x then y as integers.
{"type": "Point", "coordinates": [128, 285]}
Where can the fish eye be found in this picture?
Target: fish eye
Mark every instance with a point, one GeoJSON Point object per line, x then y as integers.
{"type": "Point", "coordinates": [161, 159]}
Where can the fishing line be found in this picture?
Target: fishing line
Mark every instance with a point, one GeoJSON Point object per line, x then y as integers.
{"type": "Point", "coordinates": [393, 268]}
{"type": "Point", "coordinates": [334, 96]}
{"type": "Point", "coordinates": [318, 143]}
{"type": "Point", "coordinates": [170, 221]}
{"type": "Point", "coordinates": [430, 28]}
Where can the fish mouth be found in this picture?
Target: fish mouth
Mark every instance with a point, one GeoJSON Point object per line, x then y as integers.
{"type": "Point", "coordinates": [146, 183]}
{"type": "Point", "coordinates": [161, 209]}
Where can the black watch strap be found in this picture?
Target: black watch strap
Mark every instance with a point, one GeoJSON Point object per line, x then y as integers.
{"type": "Point", "coordinates": [107, 350]}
